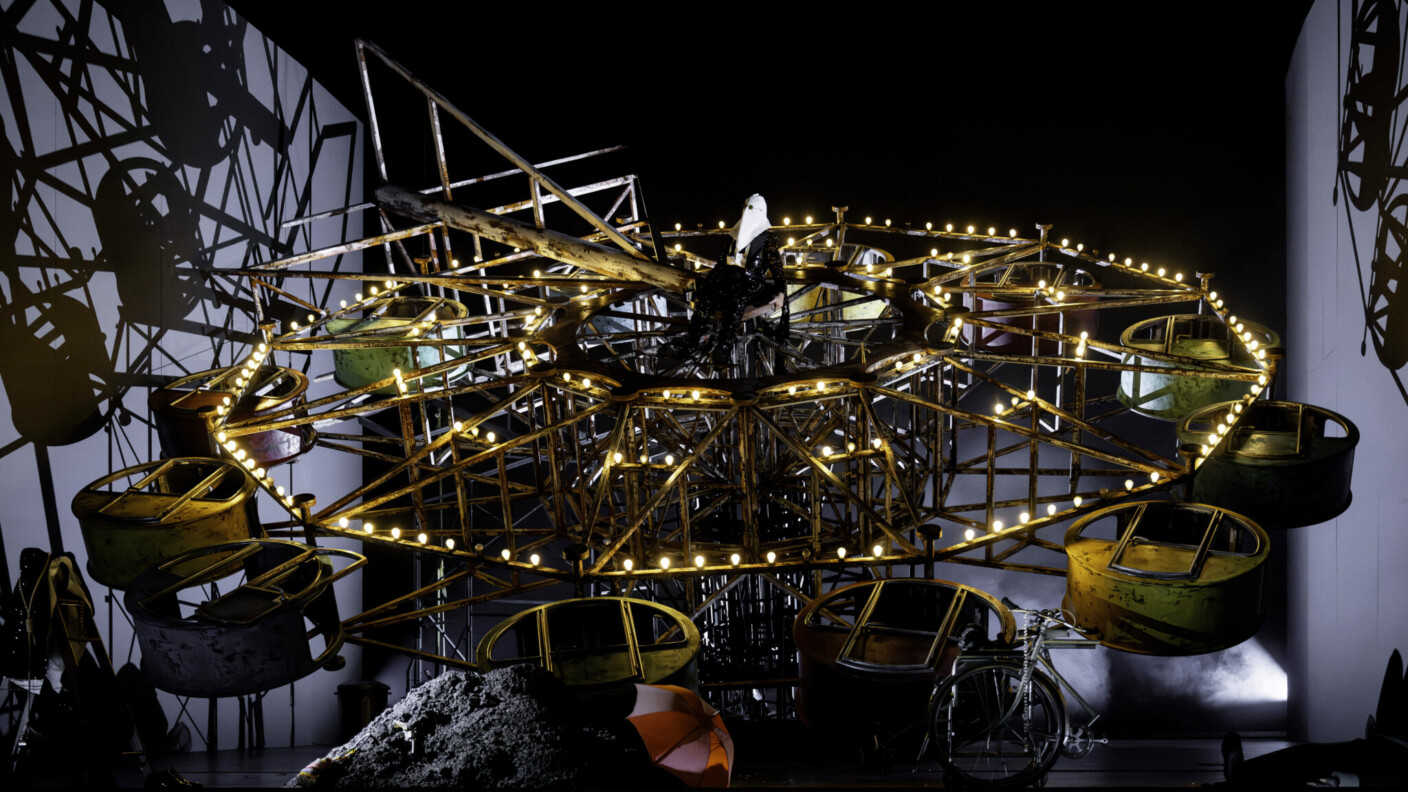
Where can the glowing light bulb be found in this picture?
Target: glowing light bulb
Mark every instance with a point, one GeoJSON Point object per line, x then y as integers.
{"type": "Point", "coordinates": [771, 556]}
{"type": "Point", "coordinates": [875, 443]}
{"type": "Point", "coordinates": [1024, 517]}
{"type": "Point", "coordinates": [735, 558]}
{"type": "Point", "coordinates": [628, 564]}
{"type": "Point", "coordinates": [1212, 438]}
{"type": "Point", "coordinates": [664, 562]}
{"type": "Point", "coordinates": [450, 544]}
{"type": "Point", "coordinates": [669, 459]}
{"type": "Point", "coordinates": [1162, 271]}
{"type": "Point", "coordinates": [694, 395]}
{"type": "Point", "coordinates": [489, 437]}
{"type": "Point", "coordinates": [969, 534]}
{"type": "Point", "coordinates": [997, 408]}
{"type": "Point", "coordinates": [1065, 243]}
{"type": "Point", "coordinates": [422, 537]}
{"type": "Point", "coordinates": [1031, 394]}
{"type": "Point", "coordinates": [1154, 477]}
{"type": "Point", "coordinates": [395, 533]}
{"type": "Point", "coordinates": [949, 227]}
{"type": "Point", "coordinates": [342, 522]}
{"type": "Point", "coordinates": [699, 561]}
{"type": "Point", "coordinates": [534, 559]}
{"type": "Point", "coordinates": [820, 385]}
{"type": "Point", "coordinates": [1178, 276]}
{"type": "Point", "coordinates": [877, 551]}
{"type": "Point", "coordinates": [992, 231]}
{"type": "Point", "coordinates": [809, 219]}
{"type": "Point", "coordinates": [459, 426]}
{"type": "Point", "coordinates": [1050, 509]}
{"type": "Point", "coordinates": [618, 457]}
{"type": "Point", "coordinates": [841, 553]}
{"type": "Point", "coordinates": [867, 220]}
{"type": "Point", "coordinates": [367, 527]}
{"type": "Point", "coordinates": [505, 554]}
{"type": "Point", "coordinates": [996, 525]}
{"type": "Point", "coordinates": [826, 450]}
{"type": "Point", "coordinates": [791, 390]}
{"type": "Point", "coordinates": [971, 229]}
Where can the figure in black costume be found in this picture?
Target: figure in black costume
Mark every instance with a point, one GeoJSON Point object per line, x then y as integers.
{"type": "Point", "coordinates": [748, 275]}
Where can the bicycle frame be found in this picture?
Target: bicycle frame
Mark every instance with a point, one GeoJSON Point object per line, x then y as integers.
{"type": "Point", "coordinates": [1035, 649]}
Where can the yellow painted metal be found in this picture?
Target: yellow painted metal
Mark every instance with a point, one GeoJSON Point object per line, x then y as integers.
{"type": "Point", "coordinates": [598, 641]}
{"type": "Point", "coordinates": [1166, 578]}
{"type": "Point", "coordinates": [141, 516]}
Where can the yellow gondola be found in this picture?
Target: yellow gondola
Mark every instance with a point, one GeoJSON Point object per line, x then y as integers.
{"type": "Point", "coordinates": [1166, 578]}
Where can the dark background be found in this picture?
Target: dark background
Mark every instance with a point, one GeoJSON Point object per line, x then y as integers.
{"type": "Point", "coordinates": [1156, 134]}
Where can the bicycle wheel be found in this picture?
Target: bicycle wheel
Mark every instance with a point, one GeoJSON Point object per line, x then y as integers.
{"type": "Point", "coordinates": [984, 732]}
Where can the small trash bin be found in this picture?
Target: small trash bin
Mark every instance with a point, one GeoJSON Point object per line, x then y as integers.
{"type": "Point", "coordinates": [358, 703]}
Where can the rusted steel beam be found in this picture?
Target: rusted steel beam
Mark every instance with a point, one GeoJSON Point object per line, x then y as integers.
{"type": "Point", "coordinates": [508, 153]}
{"type": "Point", "coordinates": [545, 242]}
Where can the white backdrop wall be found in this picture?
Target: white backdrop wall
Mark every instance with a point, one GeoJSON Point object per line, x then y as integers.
{"type": "Point", "coordinates": [1348, 591]}
{"type": "Point", "coordinates": [148, 146]}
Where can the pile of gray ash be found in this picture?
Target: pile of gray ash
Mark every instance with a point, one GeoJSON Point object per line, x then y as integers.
{"type": "Point", "coordinates": [512, 728]}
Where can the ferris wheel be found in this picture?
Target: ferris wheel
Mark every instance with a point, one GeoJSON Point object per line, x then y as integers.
{"type": "Point", "coordinates": [538, 410]}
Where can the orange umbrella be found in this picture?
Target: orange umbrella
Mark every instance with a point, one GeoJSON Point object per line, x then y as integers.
{"type": "Point", "coordinates": [683, 734]}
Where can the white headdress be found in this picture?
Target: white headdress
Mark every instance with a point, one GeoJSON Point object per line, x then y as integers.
{"type": "Point", "coordinates": [753, 222]}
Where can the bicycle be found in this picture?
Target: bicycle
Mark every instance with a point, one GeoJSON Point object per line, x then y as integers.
{"type": "Point", "coordinates": [999, 720]}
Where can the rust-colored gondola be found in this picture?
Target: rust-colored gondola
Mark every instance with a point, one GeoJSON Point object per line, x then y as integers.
{"type": "Point", "coordinates": [181, 408]}
{"type": "Point", "coordinates": [869, 653]}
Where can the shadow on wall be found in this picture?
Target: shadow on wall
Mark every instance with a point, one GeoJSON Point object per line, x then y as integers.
{"type": "Point", "coordinates": [1372, 164]}
{"type": "Point", "coordinates": [147, 146]}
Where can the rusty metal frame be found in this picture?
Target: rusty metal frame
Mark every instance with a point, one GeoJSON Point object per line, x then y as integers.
{"type": "Point", "coordinates": [596, 445]}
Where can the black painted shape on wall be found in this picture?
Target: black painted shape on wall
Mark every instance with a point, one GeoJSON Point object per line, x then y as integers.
{"type": "Point", "coordinates": [192, 76]}
{"type": "Point", "coordinates": [1371, 133]}
{"type": "Point", "coordinates": [191, 117]}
